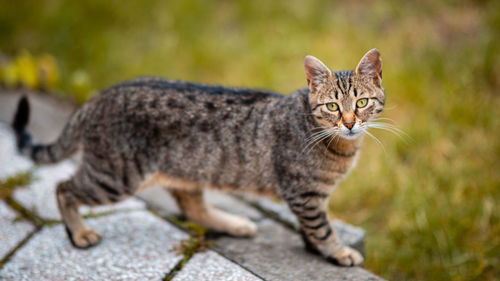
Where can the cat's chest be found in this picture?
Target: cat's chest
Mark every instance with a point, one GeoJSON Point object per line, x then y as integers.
{"type": "Point", "coordinates": [334, 169]}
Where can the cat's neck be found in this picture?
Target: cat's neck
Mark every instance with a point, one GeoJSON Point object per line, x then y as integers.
{"type": "Point", "coordinates": [342, 146]}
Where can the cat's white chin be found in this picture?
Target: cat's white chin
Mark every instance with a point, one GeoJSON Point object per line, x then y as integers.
{"type": "Point", "coordinates": [351, 135]}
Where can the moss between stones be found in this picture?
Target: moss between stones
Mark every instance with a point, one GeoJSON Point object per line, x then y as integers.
{"type": "Point", "coordinates": [189, 226]}
{"type": "Point", "coordinates": [8, 185]}
{"type": "Point", "coordinates": [195, 243]}
{"type": "Point", "coordinates": [91, 214]}
{"type": "Point", "coordinates": [25, 214]}
{"type": "Point", "coordinates": [187, 248]}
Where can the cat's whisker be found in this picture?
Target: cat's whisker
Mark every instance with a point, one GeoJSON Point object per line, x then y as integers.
{"type": "Point", "coordinates": [312, 137]}
{"type": "Point", "coordinates": [320, 127]}
{"type": "Point", "coordinates": [319, 141]}
{"type": "Point", "coordinates": [337, 141]}
{"type": "Point", "coordinates": [383, 124]}
{"type": "Point", "coordinates": [315, 137]}
{"type": "Point", "coordinates": [392, 131]}
{"type": "Point", "coordinates": [390, 128]}
{"type": "Point", "coordinates": [376, 139]}
{"type": "Point", "coordinates": [311, 146]}
{"type": "Point", "coordinates": [317, 131]}
{"type": "Point", "coordinates": [332, 138]}
{"type": "Point", "coordinates": [385, 118]}
{"type": "Point", "coordinates": [324, 135]}
{"type": "Point", "coordinates": [312, 143]}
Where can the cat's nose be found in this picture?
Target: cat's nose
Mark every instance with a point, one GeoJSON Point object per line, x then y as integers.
{"type": "Point", "coordinates": [349, 125]}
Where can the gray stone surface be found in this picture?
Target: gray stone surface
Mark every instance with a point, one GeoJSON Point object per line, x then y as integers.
{"type": "Point", "coordinates": [277, 253]}
{"type": "Point", "coordinates": [233, 205]}
{"type": "Point", "coordinates": [159, 200]}
{"type": "Point", "coordinates": [348, 234]}
{"type": "Point", "coordinates": [164, 204]}
{"type": "Point", "coordinates": [211, 266]}
{"type": "Point", "coordinates": [11, 232]}
{"type": "Point", "coordinates": [136, 246]}
{"type": "Point", "coordinates": [10, 162]}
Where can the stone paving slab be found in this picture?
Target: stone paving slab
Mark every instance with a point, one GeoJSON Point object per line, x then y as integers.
{"type": "Point", "coordinates": [348, 234]}
{"type": "Point", "coordinates": [278, 253]}
{"type": "Point", "coordinates": [11, 232]}
{"type": "Point", "coordinates": [227, 202]}
{"type": "Point", "coordinates": [136, 246]}
{"type": "Point", "coordinates": [40, 194]}
{"type": "Point", "coordinates": [10, 162]}
{"type": "Point", "coordinates": [160, 201]}
{"type": "Point", "coordinates": [212, 266]}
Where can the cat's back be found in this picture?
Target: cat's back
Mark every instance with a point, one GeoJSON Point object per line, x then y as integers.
{"type": "Point", "coordinates": [176, 99]}
{"type": "Point", "coordinates": [161, 89]}
{"type": "Point", "coordinates": [155, 107]}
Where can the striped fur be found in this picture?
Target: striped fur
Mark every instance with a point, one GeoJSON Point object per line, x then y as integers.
{"type": "Point", "coordinates": [188, 137]}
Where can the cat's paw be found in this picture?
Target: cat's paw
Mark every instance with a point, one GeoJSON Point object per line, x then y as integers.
{"type": "Point", "coordinates": [85, 238]}
{"type": "Point", "coordinates": [243, 228]}
{"type": "Point", "coordinates": [347, 256]}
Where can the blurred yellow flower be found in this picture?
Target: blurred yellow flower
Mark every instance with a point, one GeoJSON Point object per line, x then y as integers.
{"type": "Point", "coordinates": [26, 69]}
{"type": "Point", "coordinates": [80, 86]}
{"type": "Point", "coordinates": [48, 71]}
{"type": "Point", "coordinates": [8, 75]}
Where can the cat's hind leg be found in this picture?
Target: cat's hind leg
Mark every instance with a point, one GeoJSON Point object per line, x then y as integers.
{"type": "Point", "coordinates": [68, 202]}
{"type": "Point", "coordinates": [95, 183]}
{"type": "Point", "coordinates": [194, 207]}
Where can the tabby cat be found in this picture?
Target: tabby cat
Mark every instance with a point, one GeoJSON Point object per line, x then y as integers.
{"type": "Point", "coordinates": [187, 137]}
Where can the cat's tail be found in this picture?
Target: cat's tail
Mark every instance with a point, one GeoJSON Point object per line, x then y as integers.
{"type": "Point", "coordinates": [63, 147]}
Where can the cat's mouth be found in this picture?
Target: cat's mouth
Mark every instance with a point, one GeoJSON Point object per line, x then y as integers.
{"type": "Point", "coordinates": [351, 134]}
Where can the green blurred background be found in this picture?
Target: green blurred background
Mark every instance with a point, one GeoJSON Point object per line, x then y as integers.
{"type": "Point", "coordinates": [429, 202]}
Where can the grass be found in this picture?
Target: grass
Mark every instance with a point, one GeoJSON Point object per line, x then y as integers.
{"type": "Point", "coordinates": [430, 206]}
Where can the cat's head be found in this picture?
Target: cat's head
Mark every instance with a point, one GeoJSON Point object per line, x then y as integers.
{"type": "Point", "coordinates": [344, 102]}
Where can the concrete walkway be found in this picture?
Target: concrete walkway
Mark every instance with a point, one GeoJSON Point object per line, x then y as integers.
{"type": "Point", "coordinates": [143, 239]}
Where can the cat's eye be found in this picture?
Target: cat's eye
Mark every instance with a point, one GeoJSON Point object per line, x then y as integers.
{"type": "Point", "coordinates": [361, 103]}
{"type": "Point", "coordinates": [332, 106]}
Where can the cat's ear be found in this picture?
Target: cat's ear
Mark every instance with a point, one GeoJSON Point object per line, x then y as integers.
{"type": "Point", "coordinates": [371, 66]}
{"type": "Point", "coordinates": [317, 73]}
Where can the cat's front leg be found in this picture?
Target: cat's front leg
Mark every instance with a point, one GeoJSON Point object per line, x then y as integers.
{"type": "Point", "coordinates": [318, 234]}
